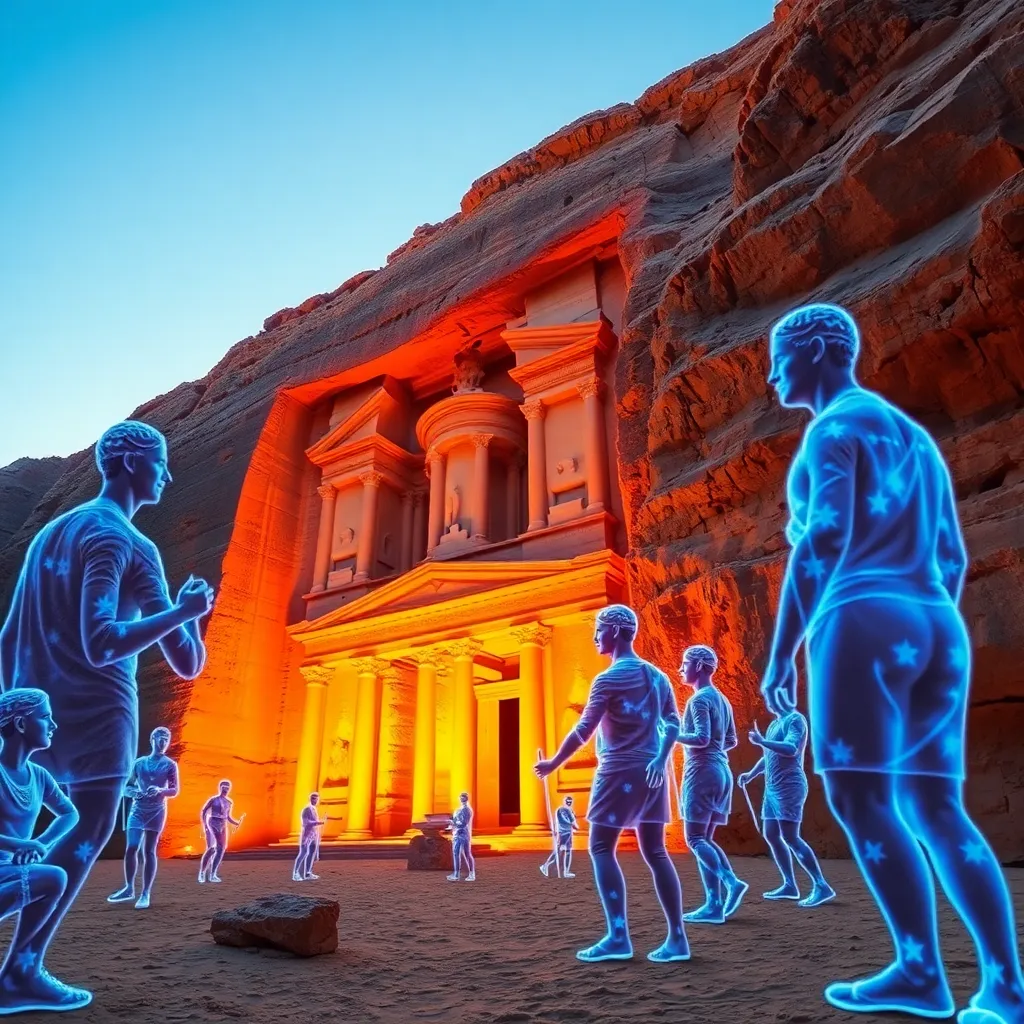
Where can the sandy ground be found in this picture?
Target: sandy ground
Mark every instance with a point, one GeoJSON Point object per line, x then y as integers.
{"type": "Point", "coordinates": [415, 947]}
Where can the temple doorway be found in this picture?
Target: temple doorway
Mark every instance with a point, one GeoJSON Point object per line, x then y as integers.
{"type": "Point", "coordinates": [508, 762]}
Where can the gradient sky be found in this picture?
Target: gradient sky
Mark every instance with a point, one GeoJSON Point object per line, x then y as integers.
{"type": "Point", "coordinates": [174, 171]}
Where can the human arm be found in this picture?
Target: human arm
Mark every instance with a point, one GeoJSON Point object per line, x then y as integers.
{"type": "Point", "coordinates": [698, 718]}
{"type": "Point", "coordinates": [172, 786]}
{"type": "Point", "coordinates": [65, 814]}
{"type": "Point", "coordinates": [590, 719]}
{"type": "Point", "coordinates": [755, 773]}
{"type": "Point", "coordinates": [729, 740]}
{"type": "Point", "coordinates": [207, 807]}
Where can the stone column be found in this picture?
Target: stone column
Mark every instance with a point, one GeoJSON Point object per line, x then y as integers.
{"type": "Point", "coordinates": [419, 528]}
{"type": "Point", "coordinates": [463, 769]}
{"type": "Point", "coordinates": [366, 549]}
{"type": "Point", "coordinates": [407, 502]}
{"type": "Point", "coordinates": [307, 771]}
{"type": "Point", "coordinates": [532, 640]}
{"type": "Point", "coordinates": [435, 524]}
{"type": "Point", "coordinates": [425, 736]}
{"type": "Point", "coordinates": [595, 448]}
{"type": "Point", "coordinates": [481, 485]}
{"type": "Point", "coordinates": [363, 761]}
{"type": "Point", "coordinates": [537, 469]}
{"type": "Point", "coordinates": [513, 503]}
{"type": "Point", "coordinates": [325, 538]}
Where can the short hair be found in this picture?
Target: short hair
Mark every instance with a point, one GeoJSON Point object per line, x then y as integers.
{"type": "Point", "coordinates": [120, 440]}
{"type": "Point", "coordinates": [464, 797]}
{"type": "Point", "coordinates": [20, 704]}
{"type": "Point", "coordinates": [619, 615]}
{"type": "Point", "coordinates": [160, 730]}
{"type": "Point", "coordinates": [832, 324]}
{"type": "Point", "coordinates": [223, 782]}
{"type": "Point", "coordinates": [701, 654]}
{"type": "Point", "coordinates": [568, 799]}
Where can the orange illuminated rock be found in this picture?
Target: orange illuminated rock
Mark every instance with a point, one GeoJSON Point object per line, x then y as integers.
{"type": "Point", "coordinates": [868, 153]}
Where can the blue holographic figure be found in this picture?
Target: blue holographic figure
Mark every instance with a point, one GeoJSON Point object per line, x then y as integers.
{"type": "Point", "coordinates": [872, 589]}
{"type": "Point", "coordinates": [28, 887]}
{"type": "Point", "coordinates": [214, 819]}
{"type": "Point", "coordinates": [153, 781]}
{"type": "Point", "coordinates": [565, 825]}
{"type": "Point", "coordinates": [633, 710]}
{"type": "Point", "coordinates": [461, 826]}
{"type": "Point", "coordinates": [90, 597]}
{"type": "Point", "coordinates": [310, 824]}
{"type": "Point", "coordinates": [782, 811]}
{"type": "Point", "coordinates": [708, 733]}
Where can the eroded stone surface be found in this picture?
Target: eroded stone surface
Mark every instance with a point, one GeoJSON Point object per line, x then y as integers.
{"type": "Point", "coordinates": [303, 925]}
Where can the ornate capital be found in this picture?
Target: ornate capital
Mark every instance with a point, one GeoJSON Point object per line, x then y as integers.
{"type": "Point", "coordinates": [371, 478]}
{"type": "Point", "coordinates": [533, 410]}
{"type": "Point", "coordinates": [371, 666]}
{"type": "Point", "coordinates": [430, 656]}
{"type": "Point", "coordinates": [536, 634]}
{"type": "Point", "coordinates": [327, 491]}
{"type": "Point", "coordinates": [317, 675]}
{"type": "Point", "coordinates": [482, 440]}
{"type": "Point", "coordinates": [418, 497]}
{"type": "Point", "coordinates": [590, 388]}
{"type": "Point", "coordinates": [408, 497]}
{"type": "Point", "coordinates": [464, 648]}
{"type": "Point", "coordinates": [391, 673]}
{"type": "Point", "coordinates": [432, 456]}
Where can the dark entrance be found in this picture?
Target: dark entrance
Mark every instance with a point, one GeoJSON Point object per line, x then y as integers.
{"type": "Point", "coordinates": [508, 762]}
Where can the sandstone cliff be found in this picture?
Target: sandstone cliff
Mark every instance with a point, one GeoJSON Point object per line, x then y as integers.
{"type": "Point", "coordinates": [868, 152]}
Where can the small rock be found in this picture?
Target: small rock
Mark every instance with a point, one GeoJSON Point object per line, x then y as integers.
{"type": "Point", "coordinates": [303, 925]}
{"type": "Point", "coordinates": [430, 853]}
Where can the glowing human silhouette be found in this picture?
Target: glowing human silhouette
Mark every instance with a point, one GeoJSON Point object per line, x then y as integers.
{"type": "Point", "coordinates": [872, 589]}
{"type": "Point", "coordinates": [633, 710]}
{"type": "Point", "coordinates": [153, 781]}
{"type": "Point", "coordinates": [91, 596]}
{"type": "Point", "coordinates": [28, 887]}
{"type": "Point", "coordinates": [565, 825]}
{"type": "Point", "coordinates": [782, 810]}
{"type": "Point", "coordinates": [461, 825]}
{"type": "Point", "coordinates": [310, 824]}
{"type": "Point", "coordinates": [214, 819]}
{"type": "Point", "coordinates": [708, 733]}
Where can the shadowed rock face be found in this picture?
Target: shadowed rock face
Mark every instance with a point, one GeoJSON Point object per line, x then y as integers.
{"type": "Point", "coordinates": [866, 152]}
{"type": "Point", "coordinates": [303, 925]}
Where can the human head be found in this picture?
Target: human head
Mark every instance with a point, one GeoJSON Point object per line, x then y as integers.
{"type": "Point", "coordinates": [135, 453]}
{"type": "Point", "coordinates": [463, 798]}
{"type": "Point", "coordinates": [615, 628]}
{"type": "Point", "coordinates": [314, 798]}
{"type": "Point", "coordinates": [810, 346]}
{"type": "Point", "coordinates": [26, 713]}
{"type": "Point", "coordinates": [699, 662]}
{"type": "Point", "coordinates": [225, 787]}
{"type": "Point", "coordinates": [568, 801]}
{"type": "Point", "coordinates": [160, 738]}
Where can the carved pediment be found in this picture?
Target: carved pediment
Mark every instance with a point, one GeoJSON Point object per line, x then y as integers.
{"type": "Point", "coordinates": [382, 417]}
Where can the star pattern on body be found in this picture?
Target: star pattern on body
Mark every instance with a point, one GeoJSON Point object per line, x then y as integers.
{"type": "Point", "coordinates": [835, 429]}
{"type": "Point", "coordinates": [996, 972]}
{"type": "Point", "coordinates": [895, 482]}
{"type": "Point", "coordinates": [873, 852]}
{"type": "Point", "coordinates": [878, 504]}
{"type": "Point", "coordinates": [913, 951]}
{"type": "Point", "coordinates": [84, 851]}
{"type": "Point", "coordinates": [628, 707]}
{"type": "Point", "coordinates": [53, 636]}
{"type": "Point", "coordinates": [121, 630]}
{"type": "Point", "coordinates": [627, 787]}
{"type": "Point", "coordinates": [26, 960]}
{"type": "Point", "coordinates": [840, 752]}
{"type": "Point", "coordinates": [957, 658]}
{"type": "Point", "coordinates": [618, 922]}
{"type": "Point", "coordinates": [613, 895]}
{"type": "Point", "coordinates": [104, 604]}
{"type": "Point", "coordinates": [950, 746]}
{"type": "Point", "coordinates": [826, 516]}
{"type": "Point", "coordinates": [48, 564]}
{"type": "Point", "coordinates": [973, 852]}
{"type": "Point", "coordinates": [645, 714]}
{"type": "Point", "coordinates": [63, 567]}
{"type": "Point", "coordinates": [873, 438]}
{"type": "Point", "coordinates": [613, 818]}
{"type": "Point", "coordinates": [906, 653]}
{"type": "Point", "coordinates": [109, 654]}
{"type": "Point", "coordinates": [948, 567]}
{"type": "Point", "coordinates": [814, 568]}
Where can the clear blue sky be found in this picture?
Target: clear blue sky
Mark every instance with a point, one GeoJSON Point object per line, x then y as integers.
{"type": "Point", "coordinates": [174, 171]}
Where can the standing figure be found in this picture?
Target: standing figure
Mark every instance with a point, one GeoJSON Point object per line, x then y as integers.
{"type": "Point", "coordinates": [461, 826]}
{"type": "Point", "coordinates": [90, 598]}
{"type": "Point", "coordinates": [706, 800]}
{"type": "Point", "coordinates": [633, 710]}
{"type": "Point", "coordinates": [153, 781]}
{"type": "Point", "coordinates": [214, 819]}
{"type": "Point", "coordinates": [782, 811]}
{"type": "Point", "coordinates": [310, 824]}
{"type": "Point", "coordinates": [28, 887]}
{"type": "Point", "coordinates": [872, 589]}
{"type": "Point", "coordinates": [565, 825]}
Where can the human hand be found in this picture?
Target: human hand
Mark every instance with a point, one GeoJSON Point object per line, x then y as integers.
{"type": "Point", "coordinates": [779, 686]}
{"type": "Point", "coordinates": [755, 736]}
{"type": "Point", "coordinates": [152, 790]}
{"type": "Point", "coordinates": [195, 597]}
{"type": "Point", "coordinates": [655, 773]}
{"type": "Point", "coordinates": [744, 780]}
{"type": "Point", "coordinates": [542, 769]}
{"type": "Point", "coordinates": [28, 851]}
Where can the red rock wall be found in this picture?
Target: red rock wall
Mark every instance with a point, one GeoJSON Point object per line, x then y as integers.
{"type": "Point", "coordinates": [861, 151]}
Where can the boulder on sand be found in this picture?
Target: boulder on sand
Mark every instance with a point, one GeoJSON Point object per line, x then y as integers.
{"type": "Point", "coordinates": [303, 925]}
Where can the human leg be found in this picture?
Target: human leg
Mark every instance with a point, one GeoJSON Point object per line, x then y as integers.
{"type": "Point", "coordinates": [25, 984]}
{"type": "Point", "coordinates": [734, 887]}
{"type": "Point", "coordinates": [220, 848]}
{"type": "Point", "coordinates": [651, 838]}
{"type": "Point", "coordinates": [973, 881]}
{"type": "Point", "coordinates": [150, 864]}
{"type": "Point", "coordinates": [783, 861]}
{"type": "Point", "coordinates": [821, 891]}
{"type": "Point", "coordinates": [131, 867]}
{"type": "Point", "coordinates": [710, 869]}
{"type": "Point", "coordinates": [898, 876]}
{"type": "Point", "coordinates": [567, 864]}
{"type": "Point", "coordinates": [611, 889]}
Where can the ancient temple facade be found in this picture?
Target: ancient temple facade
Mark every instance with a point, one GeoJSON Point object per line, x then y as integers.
{"type": "Point", "coordinates": [469, 530]}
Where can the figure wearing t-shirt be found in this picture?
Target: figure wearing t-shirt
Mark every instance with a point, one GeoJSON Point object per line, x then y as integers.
{"type": "Point", "coordinates": [461, 826]}
{"type": "Point", "coordinates": [565, 825]}
{"type": "Point", "coordinates": [310, 824]}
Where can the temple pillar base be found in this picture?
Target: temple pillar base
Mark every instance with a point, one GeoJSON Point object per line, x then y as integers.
{"type": "Point", "coordinates": [358, 834]}
{"type": "Point", "coordinates": [531, 830]}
